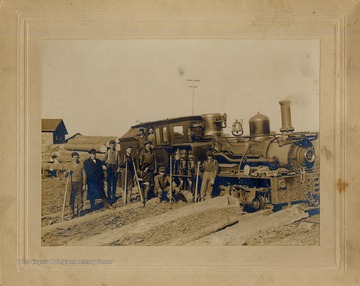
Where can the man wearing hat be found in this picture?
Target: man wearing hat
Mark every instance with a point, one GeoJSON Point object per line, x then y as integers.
{"type": "Point", "coordinates": [77, 185]}
{"type": "Point", "coordinates": [141, 140]}
{"type": "Point", "coordinates": [128, 172]}
{"type": "Point", "coordinates": [147, 167]}
{"type": "Point", "coordinates": [210, 168]}
{"type": "Point", "coordinates": [151, 137]}
{"type": "Point", "coordinates": [162, 184]}
{"type": "Point", "coordinates": [95, 180]}
{"type": "Point", "coordinates": [111, 162]}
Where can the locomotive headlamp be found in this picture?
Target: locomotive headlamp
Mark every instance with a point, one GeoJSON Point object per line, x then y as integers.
{"type": "Point", "coordinates": [305, 156]}
{"type": "Point", "coordinates": [310, 156]}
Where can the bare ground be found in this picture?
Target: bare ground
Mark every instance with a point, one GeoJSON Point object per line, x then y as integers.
{"type": "Point", "coordinates": [305, 231]}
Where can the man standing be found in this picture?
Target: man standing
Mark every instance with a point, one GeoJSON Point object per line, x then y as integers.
{"type": "Point", "coordinates": [141, 140]}
{"type": "Point", "coordinates": [111, 161]}
{"type": "Point", "coordinates": [162, 184]}
{"type": "Point", "coordinates": [151, 137]}
{"type": "Point", "coordinates": [95, 180]}
{"type": "Point", "coordinates": [147, 167]}
{"type": "Point", "coordinates": [210, 168]}
{"type": "Point", "coordinates": [128, 172]}
{"type": "Point", "coordinates": [77, 185]}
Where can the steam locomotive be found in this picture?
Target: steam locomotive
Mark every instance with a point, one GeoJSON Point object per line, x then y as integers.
{"type": "Point", "coordinates": [263, 170]}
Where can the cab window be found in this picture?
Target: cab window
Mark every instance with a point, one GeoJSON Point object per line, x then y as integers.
{"type": "Point", "coordinates": [157, 136]}
{"type": "Point", "coordinates": [165, 134]}
{"type": "Point", "coordinates": [179, 131]}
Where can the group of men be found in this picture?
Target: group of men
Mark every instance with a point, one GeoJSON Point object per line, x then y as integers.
{"type": "Point", "coordinates": [89, 176]}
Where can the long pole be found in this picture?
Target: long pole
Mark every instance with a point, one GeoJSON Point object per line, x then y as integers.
{"type": "Point", "coordinates": [138, 184]}
{"type": "Point", "coordinates": [193, 86]}
{"type": "Point", "coordinates": [125, 187]}
{"type": "Point", "coordinates": [67, 183]}
{"type": "Point", "coordinates": [197, 182]}
{"type": "Point", "coordinates": [171, 181]}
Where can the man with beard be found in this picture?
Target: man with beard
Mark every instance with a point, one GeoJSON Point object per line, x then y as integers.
{"type": "Point", "coordinates": [95, 180]}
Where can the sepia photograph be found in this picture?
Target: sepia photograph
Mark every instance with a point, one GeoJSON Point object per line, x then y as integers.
{"type": "Point", "coordinates": [170, 142]}
{"type": "Point", "coordinates": [179, 143]}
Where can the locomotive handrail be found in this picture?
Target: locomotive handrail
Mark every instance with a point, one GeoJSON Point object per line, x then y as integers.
{"type": "Point", "coordinates": [239, 156]}
{"type": "Point", "coordinates": [217, 154]}
{"type": "Point", "coordinates": [242, 159]}
{"type": "Point", "coordinates": [237, 139]}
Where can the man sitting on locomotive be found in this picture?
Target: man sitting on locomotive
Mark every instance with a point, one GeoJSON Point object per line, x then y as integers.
{"type": "Point", "coordinates": [210, 168]}
{"type": "Point", "coordinates": [162, 185]}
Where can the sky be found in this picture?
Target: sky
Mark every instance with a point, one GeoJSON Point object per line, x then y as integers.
{"type": "Point", "coordinates": [102, 87]}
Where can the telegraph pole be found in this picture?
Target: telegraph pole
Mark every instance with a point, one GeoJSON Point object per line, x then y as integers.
{"type": "Point", "coordinates": [193, 86]}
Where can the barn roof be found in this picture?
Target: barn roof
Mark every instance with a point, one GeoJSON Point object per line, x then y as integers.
{"type": "Point", "coordinates": [51, 125]}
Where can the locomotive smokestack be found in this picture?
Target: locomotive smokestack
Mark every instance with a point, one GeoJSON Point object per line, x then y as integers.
{"type": "Point", "coordinates": [286, 116]}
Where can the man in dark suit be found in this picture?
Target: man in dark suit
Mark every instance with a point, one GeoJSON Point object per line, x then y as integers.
{"type": "Point", "coordinates": [94, 180]}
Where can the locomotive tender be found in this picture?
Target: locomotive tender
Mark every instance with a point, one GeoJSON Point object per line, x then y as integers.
{"type": "Point", "coordinates": [263, 169]}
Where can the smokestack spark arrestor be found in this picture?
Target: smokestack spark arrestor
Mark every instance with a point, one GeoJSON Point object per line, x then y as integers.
{"type": "Point", "coordinates": [286, 116]}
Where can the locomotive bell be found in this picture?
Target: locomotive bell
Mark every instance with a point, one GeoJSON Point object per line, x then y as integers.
{"type": "Point", "coordinates": [237, 128]}
{"type": "Point", "coordinates": [259, 125]}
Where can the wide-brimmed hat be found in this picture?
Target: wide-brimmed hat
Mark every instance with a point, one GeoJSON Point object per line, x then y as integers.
{"type": "Point", "coordinates": [162, 169]}
{"type": "Point", "coordinates": [73, 154]}
{"type": "Point", "coordinates": [209, 153]}
{"type": "Point", "coordinates": [92, 151]}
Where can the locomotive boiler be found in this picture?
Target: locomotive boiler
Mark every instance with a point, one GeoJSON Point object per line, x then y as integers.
{"type": "Point", "coordinates": [264, 169]}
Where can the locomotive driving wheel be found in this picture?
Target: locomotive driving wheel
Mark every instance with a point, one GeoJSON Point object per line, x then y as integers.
{"type": "Point", "coordinates": [256, 204]}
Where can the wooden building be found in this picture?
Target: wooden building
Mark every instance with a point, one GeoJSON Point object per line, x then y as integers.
{"type": "Point", "coordinates": [53, 131]}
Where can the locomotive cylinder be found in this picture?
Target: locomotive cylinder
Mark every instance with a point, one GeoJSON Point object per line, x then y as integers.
{"type": "Point", "coordinates": [286, 116]}
{"type": "Point", "coordinates": [259, 125]}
